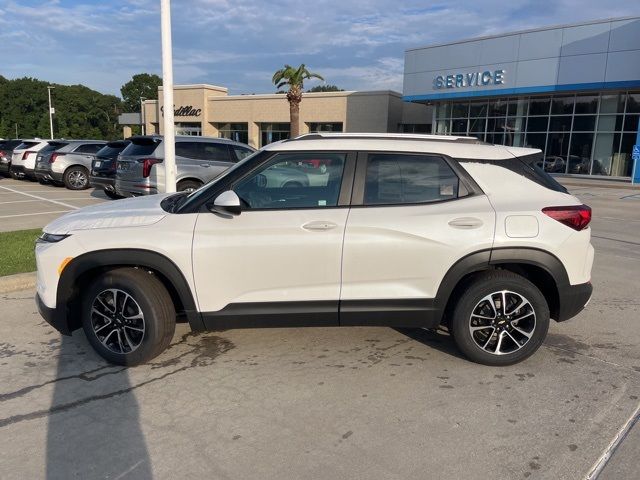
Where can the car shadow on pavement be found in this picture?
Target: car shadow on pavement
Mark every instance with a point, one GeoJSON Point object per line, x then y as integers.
{"type": "Point", "coordinates": [94, 426]}
{"type": "Point", "coordinates": [439, 339]}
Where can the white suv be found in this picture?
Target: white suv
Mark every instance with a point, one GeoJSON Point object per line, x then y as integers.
{"type": "Point", "coordinates": [397, 230]}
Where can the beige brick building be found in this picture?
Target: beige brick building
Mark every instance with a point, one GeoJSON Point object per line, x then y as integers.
{"type": "Point", "coordinates": [261, 119]}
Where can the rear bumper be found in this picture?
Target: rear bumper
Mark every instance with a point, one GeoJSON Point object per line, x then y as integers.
{"type": "Point", "coordinates": [4, 168]}
{"type": "Point", "coordinates": [134, 188]}
{"type": "Point", "coordinates": [56, 317]}
{"type": "Point", "coordinates": [573, 299]}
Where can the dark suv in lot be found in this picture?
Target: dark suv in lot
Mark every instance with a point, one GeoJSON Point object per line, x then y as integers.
{"type": "Point", "coordinates": [6, 150]}
{"type": "Point", "coordinates": [103, 168]}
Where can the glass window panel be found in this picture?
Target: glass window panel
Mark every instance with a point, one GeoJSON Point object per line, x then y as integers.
{"type": "Point", "coordinates": [497, 108]}
{"type": "Point", "coordinates": [631, 123]}
{"type": "Point", "coordinates": [537, 124]}
{"type": "Point", "coordinates": [285, 182]}
{"type": "Point", "coordinates": [443, 110]}
{"type": "Point", "coordinates": [633, 103]}
{"type": "Point", "coordinates": [584, 123]}
{"type": "Point", "coordinates": [580, 153]}
{"type": "Point", "coordinates": [272, 132]}
{"type": "Point", "coordinates": [612, 103]}
{"type": "Point", "coordinates": [477, 124]}
{"type": "Point", "coordinates": [586, 104]}
{"type": "Point", "coordinates": [459, 126]}
{"type": "Point", "coordinates": [443, 127]}
{"type": "Point", "coordinates": [495, 138]}
{"type": "Point", "coordinates": [393, 179]}
{"type": "Point", "coordinates": [562, 105]}
{"type": "Point", "coordinates": [610, 123]}
{"type": "Point", "coordinates": [560, 123]}
{"type": "Point", "coordinates": [478, 109]}
{"type": "Point", "coordinates": [557, 146]}
{"type": "Point", "coordinates": [539, 105]}
{"type": "Point", "coordinates": [234, 131]}
{"type": "Point", "coordinates": [622, 167]}
{"type": "Point", "coordinates": [536, 140]}
{"type": "Point", "coordinates": [518, 107]}
{"type": "Point", "coordinates": [606, 148]}
{"type": "Point", "coordinates": [325, 127]}
{"type": "Point", "coordinates": [496, 124]}
{"type": "Point", "coordinates": [459, 110]}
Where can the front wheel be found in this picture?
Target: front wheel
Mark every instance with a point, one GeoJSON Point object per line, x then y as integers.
{"type": "Point", "coordinates": [500, 319]}
{"type": "Point", "coordinates": [128, 316]}
{"type": "Point", "coordinates": [76, 178]}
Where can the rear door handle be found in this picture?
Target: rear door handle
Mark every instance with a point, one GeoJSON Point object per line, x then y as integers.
{"type": "Point", "coordinates": [206, 165]}
{"type": "Point", "coordinates": [319, 226]}
{"type": "Point", "coordinates": [466, 223]}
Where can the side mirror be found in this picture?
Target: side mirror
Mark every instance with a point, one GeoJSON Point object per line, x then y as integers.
{"type": "Point", "coordinates": [227, 204]}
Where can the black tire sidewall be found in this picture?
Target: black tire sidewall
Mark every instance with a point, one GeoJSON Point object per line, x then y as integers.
{"type": "Point", "coordinates": [112, 195]}
{"type": "Point", "coordinates": [183, 185]}
{"type": "Point", "coordinates": [478, 289]}
{"type": "Point", "coordinates": [153, 336]}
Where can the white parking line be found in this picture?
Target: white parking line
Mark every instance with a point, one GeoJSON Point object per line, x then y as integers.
{"type": "Point", "coordinates": [30, 201]}
{"type": "Point", "coordinates": [31, 214]}
{"type": "Point", "coordinates": [68, 205]}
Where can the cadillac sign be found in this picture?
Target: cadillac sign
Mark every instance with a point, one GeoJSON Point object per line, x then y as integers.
{"type": "Point", "coordinates": [473, 79]}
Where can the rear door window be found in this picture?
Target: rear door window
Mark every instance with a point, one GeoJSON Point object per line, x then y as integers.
{"type": "Point", "coordinates": [188, 150]}
{"type": "Point", "coordinates": [215, 152]}
{"type": "Point", "coordinates": [396, 179]}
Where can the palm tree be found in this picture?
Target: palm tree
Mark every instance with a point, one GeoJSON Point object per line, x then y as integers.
{"type": "Point", "coordinates": [294, 78]}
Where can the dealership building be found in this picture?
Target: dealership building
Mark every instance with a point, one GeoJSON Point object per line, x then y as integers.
{"type": "Point", "coordinates": [262, 119]}
{"type": "Point", "coordinates": [572, 91]}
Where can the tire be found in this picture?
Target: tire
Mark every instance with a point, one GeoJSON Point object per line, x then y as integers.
{"type": "Point", "coordinates": [188, 186]}
{"type": "Point", "coordinates": [136, 340]}
{"type": "Point", "coordinates": [76, 178]}
{"type": "Point", "coordinates": [43, 181]}
{"type": "Point", "coordinates": [112, 195]}
{"type": "Point", "coordinates": [522, 329]}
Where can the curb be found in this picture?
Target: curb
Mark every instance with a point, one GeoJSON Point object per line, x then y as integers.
{"type": "Point", "coordinates": [596, 184]}
{"type": "Point", "coordinates": [19, 281]}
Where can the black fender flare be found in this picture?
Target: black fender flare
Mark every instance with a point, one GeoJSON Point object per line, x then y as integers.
{"type": "Point", "coordinates": [155, 261]}
{"type": "Point", "coordinates": [488, 258]}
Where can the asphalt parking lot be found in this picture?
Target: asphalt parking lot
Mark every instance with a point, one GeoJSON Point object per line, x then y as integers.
{"type": "Point", "coordinates": [25, 204]}
{"type": "Point", "coordinates": [328, 403]}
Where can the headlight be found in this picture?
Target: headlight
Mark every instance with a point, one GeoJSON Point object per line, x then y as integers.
{"type": "Point", "coordinates": [50, 238]}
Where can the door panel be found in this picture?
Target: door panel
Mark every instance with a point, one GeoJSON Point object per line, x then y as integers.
{"type": "Point", "coordinates": [403, 252]}
{"type": "Point", "coordinates": [268, 256]}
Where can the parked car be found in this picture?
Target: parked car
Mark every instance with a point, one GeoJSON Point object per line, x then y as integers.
{"type": "Point", "coordinates": [103, 168]}
{"type": "Point", "coordinates": [23, 159]}
{"type": "Point", "coordinates": [43, 158]}
{"type": "Point", "coordinates": [406, 231]}
{"type": "Point", "coordinates": [140, 168]}
{"type": "Point", "coordinates": [6, 151]}
{"type": "Point", "coordinates": [70, 164]}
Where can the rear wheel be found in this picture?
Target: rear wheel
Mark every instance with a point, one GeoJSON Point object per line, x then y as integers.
{"type": "Point", "coordinates": [76, 178]}
{"type": "Point", "coordinates": [500, 319]}
{"type": "Point", "coordinates": [113, 195]}
{"type": "Point", "coordinates": [128, 316]}
{"type": "Point", "coordinates": [188, 186]}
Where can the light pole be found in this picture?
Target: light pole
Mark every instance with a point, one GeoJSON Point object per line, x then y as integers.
{"type": "Point", "coordinates": [143, 121]}
{"type": "Point", "coordinates": [167, 94]}
{"type": "Point", "coordinates": [51, 111]}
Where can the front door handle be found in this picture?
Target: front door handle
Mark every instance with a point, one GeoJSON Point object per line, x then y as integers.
{"type": "Point", "coordinates": [319, 226]}
{"type": "Point", "coordinates": [466, 223]}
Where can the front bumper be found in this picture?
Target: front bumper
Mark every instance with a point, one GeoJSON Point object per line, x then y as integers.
{"type": "Point", "coordinates": [56, 317]}
{"type": "Point", "coordinates": [573, 299]}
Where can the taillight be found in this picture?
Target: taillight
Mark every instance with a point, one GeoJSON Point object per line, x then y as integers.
{"type": "Point", "coordinates": [574, 216]}
{"type": "Point", "coordinates": [3, 153]}
{"type": "Point", "coordinates": [25, 154]}
{"type": "Point", "coordinates": [147, 163]}
{"type": "Point", "coordinates": [54, 156]}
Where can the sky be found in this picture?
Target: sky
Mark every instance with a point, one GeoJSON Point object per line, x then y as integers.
{"type": "Point", "coordinates": [238, 44]}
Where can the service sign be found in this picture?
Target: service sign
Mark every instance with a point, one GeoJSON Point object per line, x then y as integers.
{"type": "Point", "coordinates": [470, 79]}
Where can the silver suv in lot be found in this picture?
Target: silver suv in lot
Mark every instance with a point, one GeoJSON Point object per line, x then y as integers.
{"type": "Point", "coordinates": [140, 169]}
{"type": "Point", "coordinates": [70, 164]}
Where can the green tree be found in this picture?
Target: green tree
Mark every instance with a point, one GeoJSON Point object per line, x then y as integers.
{"type": "Point", "coordinates": [80, 111]}
{"type": "Point", "coordinates": [293, 78]}
{"type": "Point", "coordinates": [141, 85]}
{"type": "Point", "coordinates": [325, 88]}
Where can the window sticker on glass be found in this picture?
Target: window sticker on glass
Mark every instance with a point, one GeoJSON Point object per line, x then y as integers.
{"type": "Point", "coordinates": [322, 203]}
{"type": "Point", "coordinates": [446, 190]}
